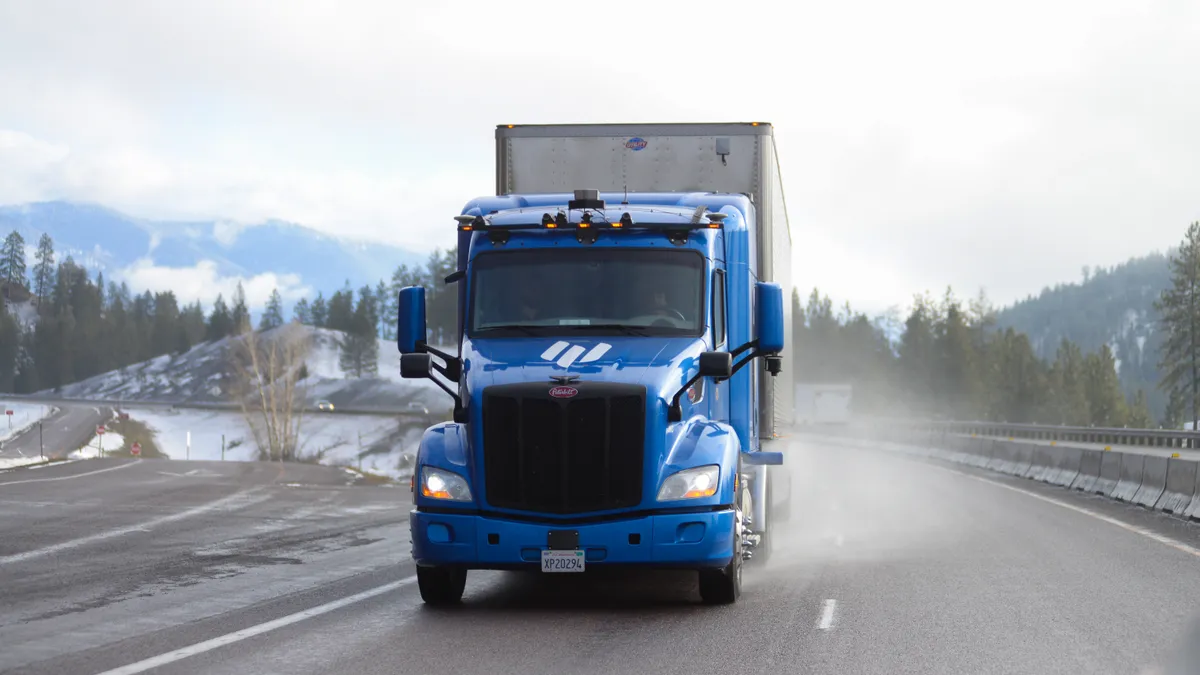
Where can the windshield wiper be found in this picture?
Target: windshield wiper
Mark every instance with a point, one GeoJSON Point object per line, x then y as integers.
{"type": "Point", "coordinates": [626, 329]}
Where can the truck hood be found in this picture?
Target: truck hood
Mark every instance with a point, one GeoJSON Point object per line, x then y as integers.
{"type": "Point", "coordinates": [660, 364]}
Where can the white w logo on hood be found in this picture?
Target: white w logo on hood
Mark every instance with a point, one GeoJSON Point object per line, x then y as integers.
{"type": "Point", "coordinates": [567, 354]}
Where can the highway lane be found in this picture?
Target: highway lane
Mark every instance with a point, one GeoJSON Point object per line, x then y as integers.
{"type": "Point", "coordinates": [889, 565]}
{"type": "Point", "coordinates": [64, 432]}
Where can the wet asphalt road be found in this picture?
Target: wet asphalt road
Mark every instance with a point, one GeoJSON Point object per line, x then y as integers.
{"type": "Point", "coordinates": [64, 432]}
{"type": "Point", "coordinates": [887, 566]}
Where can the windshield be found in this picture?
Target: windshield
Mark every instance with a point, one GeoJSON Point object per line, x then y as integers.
{"type": "Point", "coordinates": [598, 291]}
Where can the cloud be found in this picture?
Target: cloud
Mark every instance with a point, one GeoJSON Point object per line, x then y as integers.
{"type": "Point", "coordinates": [203, 282]}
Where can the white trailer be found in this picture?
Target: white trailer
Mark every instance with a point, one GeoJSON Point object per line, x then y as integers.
{"type": "Point", "coordinates": [823, 403]}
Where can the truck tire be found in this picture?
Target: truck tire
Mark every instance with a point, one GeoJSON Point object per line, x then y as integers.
{"type": "Point", "coordinates": [441, 585]}
{"type": "Point", "coordinates": [724, 586]}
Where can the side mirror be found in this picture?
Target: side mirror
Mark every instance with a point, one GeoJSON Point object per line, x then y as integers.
{"type": "Point", "coordinates": [416, 366]}
{"type": "Point", "coordinates": [410, 324]}
{"type": "Point", "coordinates": [716, 364]}
{"type": "Point", "coordinates": [769, 317]}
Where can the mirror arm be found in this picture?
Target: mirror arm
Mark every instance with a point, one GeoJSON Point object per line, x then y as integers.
{"type": "Point", "coordinates": [749, 345]}
{"type": "Point", "coordinates": [675, 411]}
{"type": "Point", "coordinates": [453, 368]}
{"type": "Point", "coordinates": [460, 413]}
{"type": "Point", "coordinates": [738, 366]}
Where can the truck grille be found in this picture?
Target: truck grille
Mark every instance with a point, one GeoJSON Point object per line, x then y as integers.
{"type": "Point", "coordinates": [570, 455]}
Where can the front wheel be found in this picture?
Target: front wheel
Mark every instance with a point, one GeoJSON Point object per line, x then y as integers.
{"type": "Point", "coordinates": [724, 586]}
{"type": "Point", "coordinates": [441, 585]}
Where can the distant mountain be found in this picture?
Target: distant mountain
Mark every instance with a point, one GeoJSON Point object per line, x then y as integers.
{"type": "Point", "coordinates": [1113, 306]}
{"type": "Point", "coordinates": [102, 239]}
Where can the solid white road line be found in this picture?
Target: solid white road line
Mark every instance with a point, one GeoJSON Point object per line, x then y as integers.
{"type": "Point", "coordinates": [139, 527]}
{"type": "Point", "coordinates": [72, 477]}
{"type": "Point", "coordinates": [827, 611]}
{"type": "Point", "coordinates": [1177, 545]}
{"type": "Point", "coordinates": [238, 636]}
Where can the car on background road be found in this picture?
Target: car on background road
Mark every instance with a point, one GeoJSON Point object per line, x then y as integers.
{"type": "Point", "coordinates": [324, 406]}
{"type": "Point", "coordinates": [416, 409]}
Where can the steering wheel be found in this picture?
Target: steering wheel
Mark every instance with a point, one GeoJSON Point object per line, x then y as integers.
{"type": "Point", "coordinates": [668, 310]}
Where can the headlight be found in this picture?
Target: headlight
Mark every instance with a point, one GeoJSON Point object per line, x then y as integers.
{"type": "Point", "coordinates": [690, 484]}
{"type": "Point", "coordinates": [439, 484]}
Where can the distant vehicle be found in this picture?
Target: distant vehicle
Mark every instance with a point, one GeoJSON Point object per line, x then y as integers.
{"type": "Point", "coordinates": [416, 408]}
{"type": "Point", "coordinates": [823, 403]}
{"type": "Point", "coordinates": [324, 406]}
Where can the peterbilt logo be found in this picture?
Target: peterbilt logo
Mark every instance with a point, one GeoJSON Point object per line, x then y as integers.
{"type": "Point", "coordinates": [563, 392]}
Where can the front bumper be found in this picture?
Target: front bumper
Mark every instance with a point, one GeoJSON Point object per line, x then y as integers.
{"type": "Point", "coordinates": [678, 540]}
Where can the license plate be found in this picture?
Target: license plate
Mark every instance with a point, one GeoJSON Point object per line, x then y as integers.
{"type": "Point", "coordinates": [562, 561]}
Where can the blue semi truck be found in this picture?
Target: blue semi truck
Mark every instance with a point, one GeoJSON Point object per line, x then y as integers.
{"type": "Point", "coordinates": [617, 371]}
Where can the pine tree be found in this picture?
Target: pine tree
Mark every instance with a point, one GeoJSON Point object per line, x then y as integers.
{"type": "Point", "coordinates": [1180, 309]}
{"type": "Point", "coordinates": [302, 313]}
{"type": "Point", "coordinates": [388, 308]}
{"type": "Point", "coordinates": [220, 322]}
{"type": "Point", "coordinates": [10, 348]}
{"type": "Point", "coordinates": [43, 269]}
{"type": "Point", "coordinates": [1069, 391]}
{"type": "Point", "coordinates": [1176, 409]}
{"type": "Point", "coordinates": [341, 310]}
{"type": "Point", "coordinates": [1139, 412]}
{"type": "Point", "coordinates": [320, 312]}
{"type": "Point", "coordinates": [273, 316]}
{"type": "Point", "coordinates": [1106, 403]}
{"type": "Point", "coordinates": [359, 344]}
{"type": "Point", "coordinates": [12, 260]}
{"type": "Point", "coordinates": [240, 313]}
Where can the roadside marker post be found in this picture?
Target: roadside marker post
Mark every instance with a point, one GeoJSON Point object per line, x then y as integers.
{"type": "Point", "coordinates": [9, 414]}
{"type": "Point", "coordinates": [135, 449]}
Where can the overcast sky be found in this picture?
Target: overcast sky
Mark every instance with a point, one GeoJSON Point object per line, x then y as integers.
{"type": "Point", "coordinates": [923, 143]}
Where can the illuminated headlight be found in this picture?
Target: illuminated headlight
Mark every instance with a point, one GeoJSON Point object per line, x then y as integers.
{"type": "Point", "coordinates": [439, 484]}
{"type": "Point", "coordinates": [690, 484]}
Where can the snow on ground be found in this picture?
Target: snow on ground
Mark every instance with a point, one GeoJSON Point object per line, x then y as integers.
{"type": "Point", "coordinates": [98, 445]}
{"type": "Point", "coordinates": [24, 415]}
{"type": "Point", "coordinates": [376, 444]}
{"type": "Point", "coordinates": [14, 462]}
{"type": "Point", "coordinates": [200, 376]}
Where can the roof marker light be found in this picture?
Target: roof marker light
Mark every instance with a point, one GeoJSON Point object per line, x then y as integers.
{"type": "Point", "coordinates": [464, 223]}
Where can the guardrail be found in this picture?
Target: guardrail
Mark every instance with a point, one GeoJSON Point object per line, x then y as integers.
{"type": "Point", "coordinates": [1164, 438]}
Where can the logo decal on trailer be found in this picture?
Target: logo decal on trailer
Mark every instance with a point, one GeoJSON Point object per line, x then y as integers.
{"type": "Point", "coordinates": [636, 144]}
{"type": "Point", "coordinates": [563, 392]}
{"type": "Point", "coordinates": [559, 350]}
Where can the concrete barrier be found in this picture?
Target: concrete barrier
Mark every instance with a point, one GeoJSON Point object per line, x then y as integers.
{"type": "Point", "coordinates": [1043, 463]}
{"type": "Point", "coordinates": [1090, 463]}
{"type": "Point", "coordinates": [1003, 455]}
{"type": "Point", "coordinates": [981, 452]}
{"type": "Point", "coordinates": [1181, 486]}
{"type": "Point", "coordinates": [1024, 459]}
{"type": "Point", "coordinates": [1193, 511]}
{"type": "Point", "coordinates": [1154, 481]}
{"type": "Point", "coordinates": [1066, 466]}
{"type": "Point", "coordinates": [1110, 474]}
{"type": "Point", "coordinates": [1131, 477]}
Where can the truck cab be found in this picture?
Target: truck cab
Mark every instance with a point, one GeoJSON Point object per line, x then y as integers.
{"type": "Point", "coordinates": [606, 386]}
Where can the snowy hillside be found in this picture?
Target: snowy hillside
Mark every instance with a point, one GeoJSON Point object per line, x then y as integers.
{"type": "Point", "coordinates": [201, 376]}
{"type": "Point", "coordinates": [132, 249]}
{"type": "Point", "coordinates": [1113, 306]}
{"type": "Point", "coordinates": [380, 445]}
